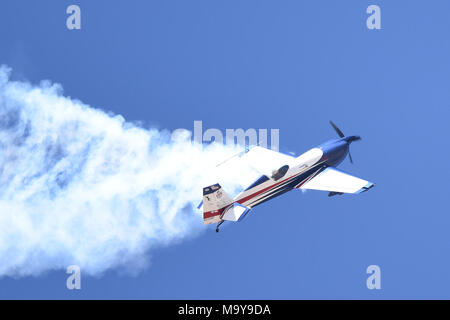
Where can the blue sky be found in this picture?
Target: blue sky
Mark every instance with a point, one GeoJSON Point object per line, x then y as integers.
{"type": "Point", "coordinates": [291, 65]}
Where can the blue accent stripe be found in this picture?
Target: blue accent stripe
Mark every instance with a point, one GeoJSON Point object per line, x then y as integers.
{"type": "Point", "coordinates": [260, 180]}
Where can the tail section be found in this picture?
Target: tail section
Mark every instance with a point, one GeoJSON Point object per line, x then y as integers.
{"type": "Point", "coordinates": [215, 201]}
{"type": "Point", "coordinates": [235, 212]}
{"type": "Point", "coordinates": [218, 206]}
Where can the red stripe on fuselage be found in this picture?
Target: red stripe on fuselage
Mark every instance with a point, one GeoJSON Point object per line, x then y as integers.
{"type": "Point", "coordinates": [245, 199]}
{"type": "Point", "coordinates": [266, 189]}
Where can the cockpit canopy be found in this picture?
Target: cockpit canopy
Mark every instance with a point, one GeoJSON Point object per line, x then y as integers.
{"type": "Point", "coordinates": [278, 174]}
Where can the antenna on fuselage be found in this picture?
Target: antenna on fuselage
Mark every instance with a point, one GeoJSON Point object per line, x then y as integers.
{"type": "Point", "coordinates": [247, 149]}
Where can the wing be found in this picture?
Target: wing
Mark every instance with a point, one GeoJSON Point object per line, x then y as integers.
{"type": "Point", "coordinates": [336, 181]}
{"type": "Point", "coordinates": [266, 160]}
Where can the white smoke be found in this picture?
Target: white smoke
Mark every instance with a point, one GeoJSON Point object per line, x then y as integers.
{"type": "Point", "coordinates": [80, 186]}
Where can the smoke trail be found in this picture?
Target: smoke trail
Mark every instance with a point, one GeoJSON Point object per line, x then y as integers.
{"type": "Point", "coordinates": [80, 186]}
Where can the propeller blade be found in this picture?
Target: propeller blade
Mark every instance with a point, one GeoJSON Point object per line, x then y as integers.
{"type": "Point", "coordinates": [350, 157]}
{"type": "Point", "coordinates": [339, 132]}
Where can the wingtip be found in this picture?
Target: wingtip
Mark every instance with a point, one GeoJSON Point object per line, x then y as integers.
{"type": "Point", "coordinates": [367, 187]}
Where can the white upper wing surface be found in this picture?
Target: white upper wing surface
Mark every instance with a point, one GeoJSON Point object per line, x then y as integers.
{"type": "Point", "coordinates": [334, 180]}
{"type": "Point", "coordinates": [266, 160]}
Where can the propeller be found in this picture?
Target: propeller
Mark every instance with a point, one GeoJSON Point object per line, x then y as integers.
{"type": "Point", "coordinates": [342, 135]}
{"type": "Point", "coordinates": [339, 132]}
{"type": "Point", "coordinates": [350, 155]}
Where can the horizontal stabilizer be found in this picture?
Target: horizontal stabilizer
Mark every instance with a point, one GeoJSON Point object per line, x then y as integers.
{"type": "Point", "coordinates": [236, 212]}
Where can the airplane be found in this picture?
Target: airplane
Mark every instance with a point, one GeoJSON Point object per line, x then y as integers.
{"type": "Point", "coordinates": [315, 170]}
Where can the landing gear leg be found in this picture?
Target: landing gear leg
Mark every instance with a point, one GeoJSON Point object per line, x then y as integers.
{"type": "Point", "coordinates": [218, 225]}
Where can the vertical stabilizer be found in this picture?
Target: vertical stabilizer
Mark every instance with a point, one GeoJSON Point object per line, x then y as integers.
{"type": "Point", "coordinates": [215, 201]}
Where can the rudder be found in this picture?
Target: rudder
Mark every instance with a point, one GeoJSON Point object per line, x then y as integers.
{"type": "Point", "coordinates": [215, 201]}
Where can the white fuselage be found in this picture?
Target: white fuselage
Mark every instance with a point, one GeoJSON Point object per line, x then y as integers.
{"type": "Point", "coordinates": [266, 187]}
